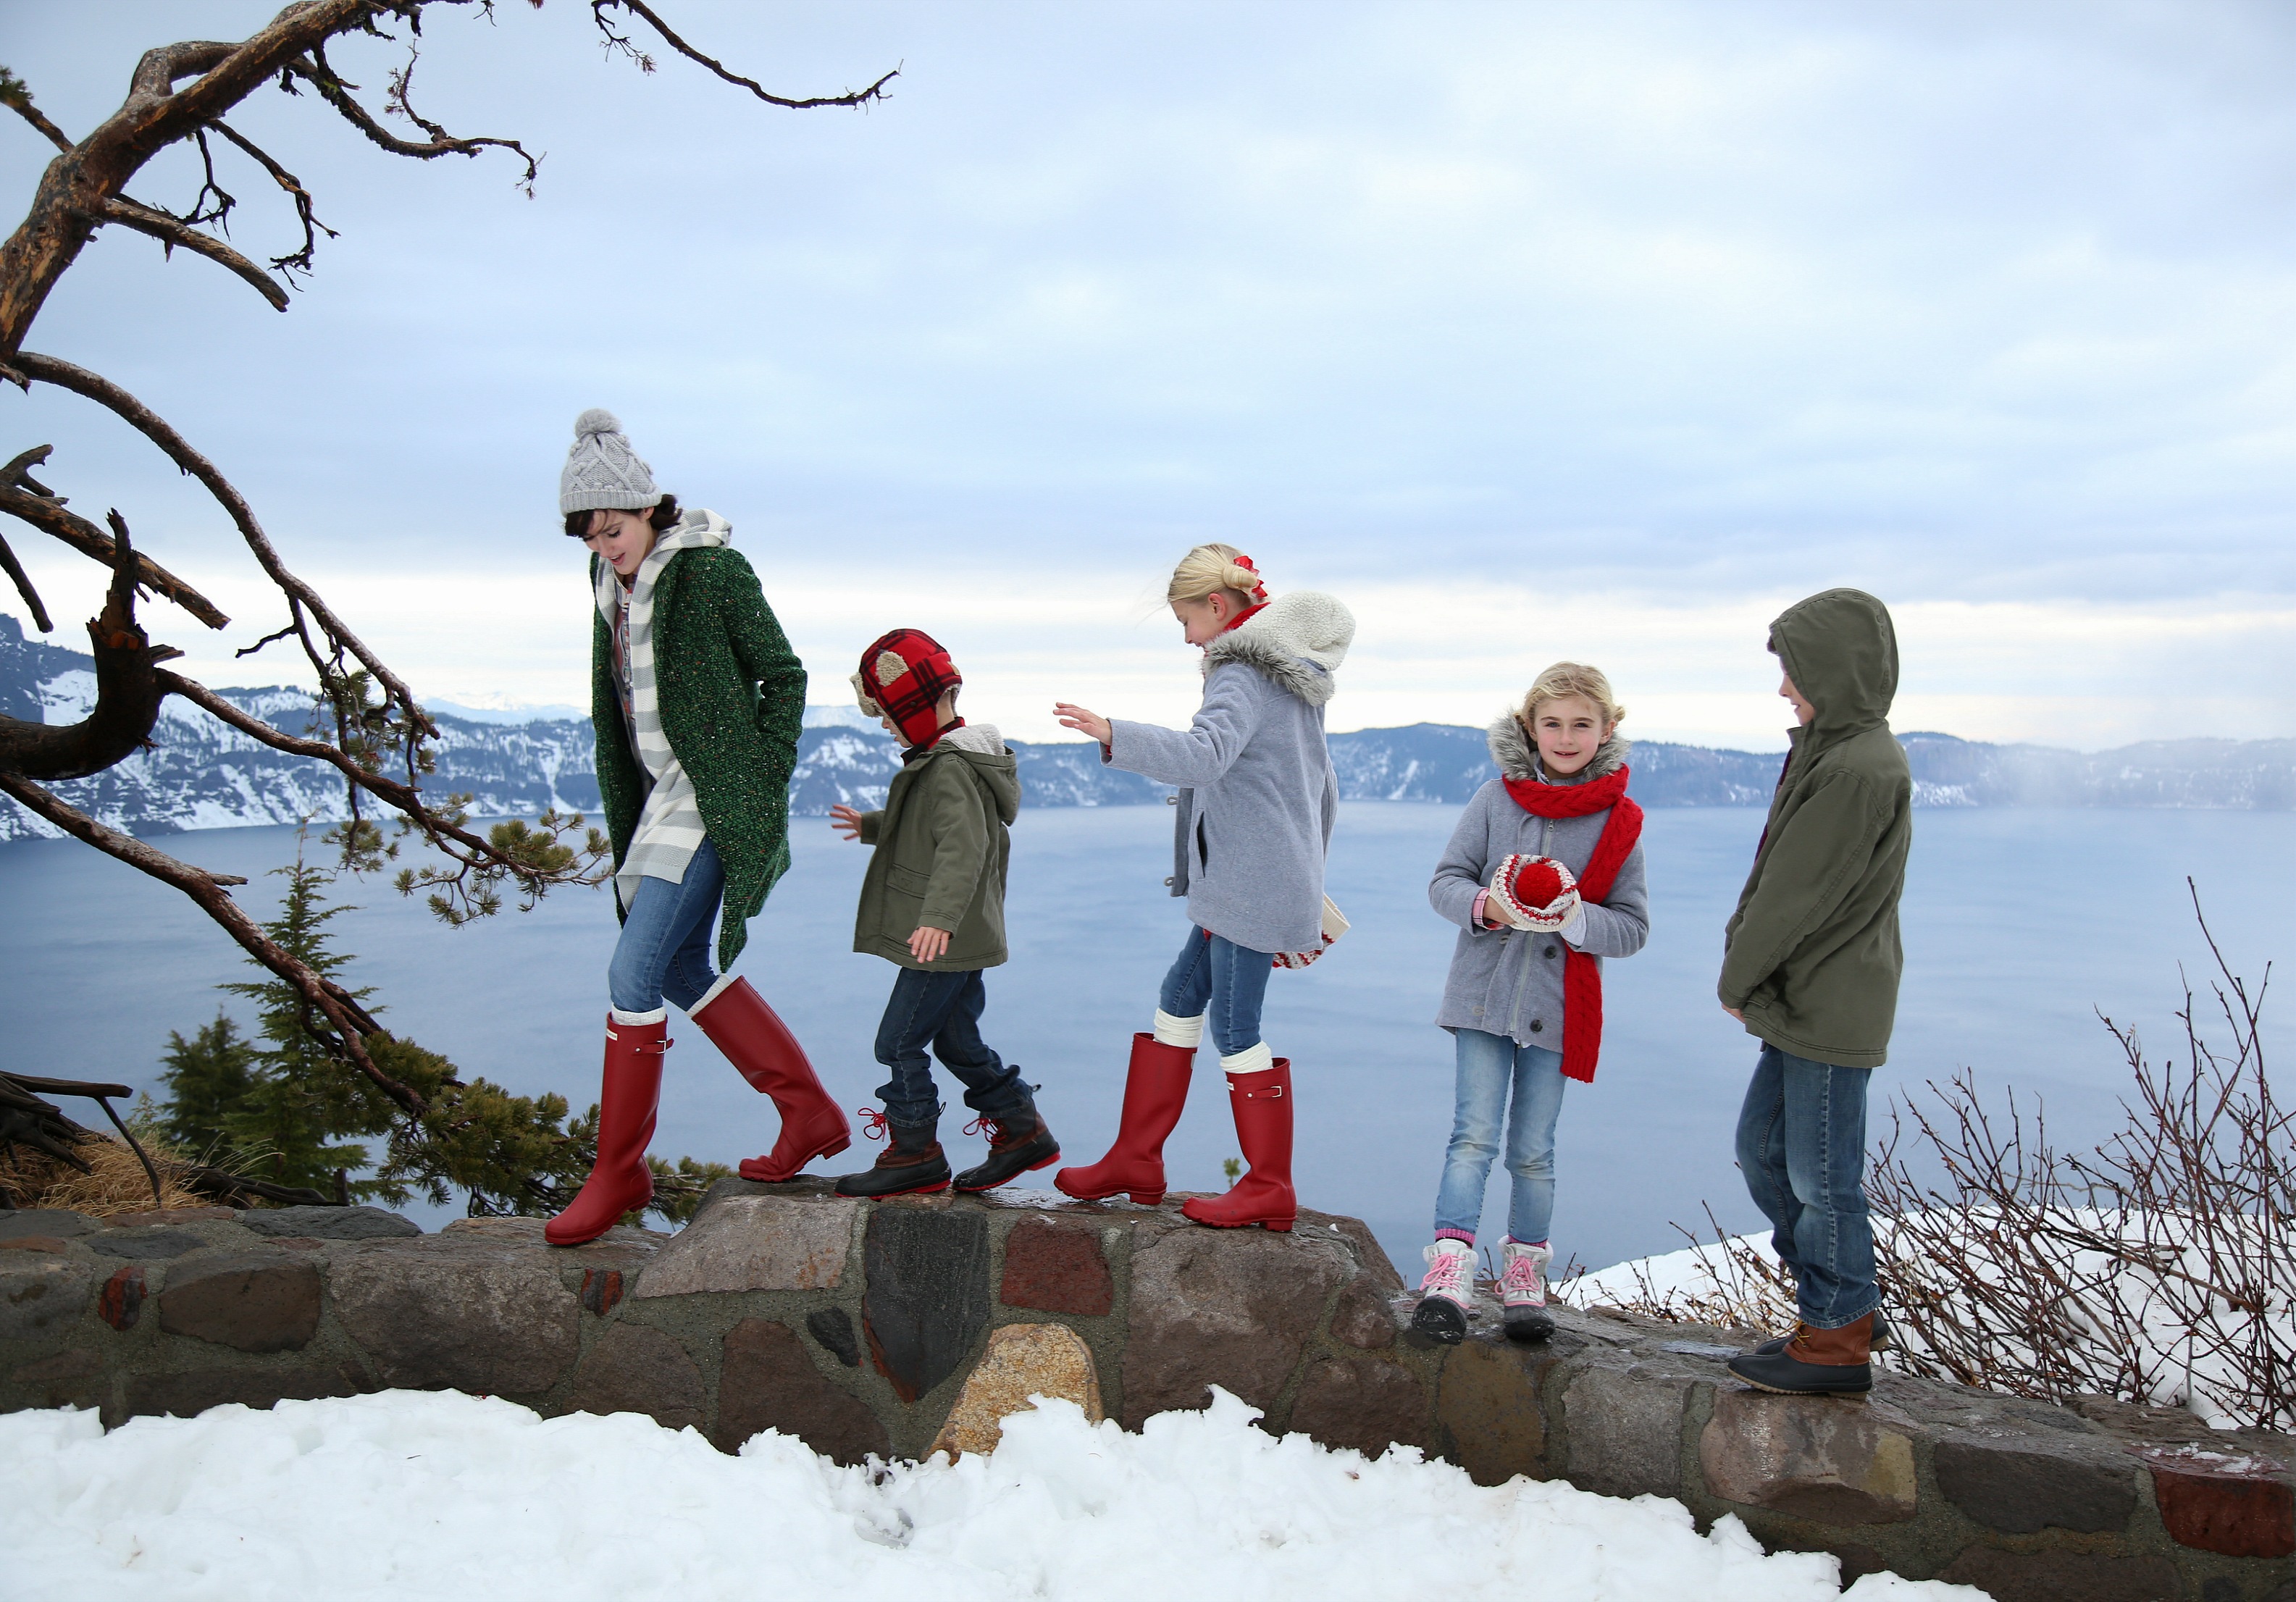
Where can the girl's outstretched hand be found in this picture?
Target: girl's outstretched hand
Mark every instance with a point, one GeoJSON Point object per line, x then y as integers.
{"type": "Point", "coordinates": [846, 822]}
{"type": "Point", "coordinates": [1090, 724]}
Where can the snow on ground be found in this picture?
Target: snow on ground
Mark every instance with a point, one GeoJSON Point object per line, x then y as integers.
{"type": "Point", "coordinates": [412, 1495]}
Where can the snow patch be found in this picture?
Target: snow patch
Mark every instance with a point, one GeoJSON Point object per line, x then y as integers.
{"type": "Point", "coordinates": [427, 1494]}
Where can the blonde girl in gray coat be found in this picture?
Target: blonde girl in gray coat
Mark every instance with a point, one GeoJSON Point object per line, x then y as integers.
{"type": "Point", "coordinates": [1258, 800]}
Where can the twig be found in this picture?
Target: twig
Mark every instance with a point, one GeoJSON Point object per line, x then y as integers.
{"type": "Point", "coordinates": [622, 43]}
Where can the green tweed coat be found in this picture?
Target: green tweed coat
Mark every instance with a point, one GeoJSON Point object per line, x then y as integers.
{"type": "Point", "coordinates": [732, 699]}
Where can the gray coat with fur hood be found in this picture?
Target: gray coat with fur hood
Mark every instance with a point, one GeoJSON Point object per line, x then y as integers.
{"type": "Point", "coordinates": [1258, 796]}
{"type": "Point", "coordinates": [1509, 981]}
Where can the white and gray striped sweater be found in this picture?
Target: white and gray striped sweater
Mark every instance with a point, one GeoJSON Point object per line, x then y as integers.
{"type": "Point", "coordinates": [669, 829]}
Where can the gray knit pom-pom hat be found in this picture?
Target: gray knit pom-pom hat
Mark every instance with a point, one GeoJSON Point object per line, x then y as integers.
{"type": "Point", "coordinates": [602, 473]}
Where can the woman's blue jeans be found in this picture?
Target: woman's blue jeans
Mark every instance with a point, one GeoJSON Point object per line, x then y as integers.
{"type": "Point", "coordinates": [1490, 1067]}
{"type": "Point", "coordinates": [664, 950]}
{"type": "Point", "coordinates": [1802, 1145]}
{"type": "Point", "coordinates": [1226, 982]}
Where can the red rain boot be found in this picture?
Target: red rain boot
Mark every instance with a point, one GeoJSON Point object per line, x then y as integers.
{"type": "Point", "coordinates": [1262, 1103]}
{"type": "Point", "coordinates": [761, 1048]}
{"type": "Point", "coordinates": [1155, 1090]}
{"type": "Point", "coordinates": [628, 1094]}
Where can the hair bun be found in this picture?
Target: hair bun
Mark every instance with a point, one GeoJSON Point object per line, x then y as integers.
{"type": "Point", "coordinates": [597, 420]}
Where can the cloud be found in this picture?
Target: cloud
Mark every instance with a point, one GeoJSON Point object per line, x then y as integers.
{"type": "Point", "coordinates": [1648, 316]}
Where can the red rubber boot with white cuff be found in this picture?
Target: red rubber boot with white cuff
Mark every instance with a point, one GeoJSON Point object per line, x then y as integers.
{"type": "Point", "coordinates": [1155, 1091]}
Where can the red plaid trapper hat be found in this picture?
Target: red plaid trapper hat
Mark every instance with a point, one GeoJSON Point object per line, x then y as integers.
{"type": "Point", "coordinates": [903, 676]}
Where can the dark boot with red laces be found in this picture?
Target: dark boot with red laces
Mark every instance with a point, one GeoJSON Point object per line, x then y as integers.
{"type": "Point", "coordinates": [1018, 1141]}
{"type": "Point", "coordinates": [911, 1162]}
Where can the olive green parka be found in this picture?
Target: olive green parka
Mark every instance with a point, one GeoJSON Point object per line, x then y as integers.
{"type": "Point", "coordinates": [732, 695]}
{"type": "Point", "coordinates": [943, 844]}
{"type": "Point", "coordinates": [1811, 957]}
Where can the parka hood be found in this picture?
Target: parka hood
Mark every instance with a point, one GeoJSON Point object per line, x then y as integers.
{"type": "Point", "coordinates": [980, 745]}
{"type": "Point", "coordinates": [1840, 651]}
{"type": "Point", "coordinates": [1518, 757]}
{"type": "Point", "coordinates": [1298, 640]}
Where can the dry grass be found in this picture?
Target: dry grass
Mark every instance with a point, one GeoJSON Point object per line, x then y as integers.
{"type": "Point", "coordinates": [117, 1184]}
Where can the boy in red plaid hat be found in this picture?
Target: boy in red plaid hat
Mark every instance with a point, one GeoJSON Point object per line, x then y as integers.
{"type": "Point", "coordinates": [933, 903]}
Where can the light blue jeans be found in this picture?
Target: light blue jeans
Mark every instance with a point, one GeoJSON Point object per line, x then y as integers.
{"type": "Point", "coordinates": [1490, 1067]}
{"type": "Point", "coordinates": [1802, 1145]}
{"type": "Point", "coordinates": [664, 950]}
{"type": "Point", "coordinates": [1215, 976]}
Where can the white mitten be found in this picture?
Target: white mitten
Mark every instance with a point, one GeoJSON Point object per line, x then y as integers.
{"type": "Point", "coordinates": [1534, 893]}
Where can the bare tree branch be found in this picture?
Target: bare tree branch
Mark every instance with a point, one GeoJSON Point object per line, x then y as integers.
{"type": "Point", "coordinates": [23, 496]}
{"type": "Point", "coordinates": [80, 381]}
{"type": "Point", "coordinates": [17, 96]}
{"type": "Point", "coordinates": [338, 1006]}
{"type": "Point", "coordinates": [621, 43]}
{"type": "Point", "coordinates": [173, 231]}
{"type": "Point", "coordinates": [336, 91]}
{"type": "Point", "coordinates": [23, 583]}
{"type": "Point", "coordinates": [299, 260]}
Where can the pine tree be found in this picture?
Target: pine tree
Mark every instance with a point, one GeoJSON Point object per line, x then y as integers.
{"type": "Point", "coordinates": [207, 1076]}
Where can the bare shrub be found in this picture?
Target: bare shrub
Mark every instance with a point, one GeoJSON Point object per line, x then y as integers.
{"type": "Point", "coordinates": [2159, 1268]}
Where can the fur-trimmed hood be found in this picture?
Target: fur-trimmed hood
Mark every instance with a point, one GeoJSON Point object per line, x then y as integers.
{"type": "Point", "coordinates": [1518, 758]}
{"type": "Point", "coordinates": [1298, 640]}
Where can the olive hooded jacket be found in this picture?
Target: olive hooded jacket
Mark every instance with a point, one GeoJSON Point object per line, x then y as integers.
{"type": "Point", "coordinates": [1811, 956]}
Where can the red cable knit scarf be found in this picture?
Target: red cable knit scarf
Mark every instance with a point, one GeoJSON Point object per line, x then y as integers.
{"type": "Point", "coordinates": [1582, 981]}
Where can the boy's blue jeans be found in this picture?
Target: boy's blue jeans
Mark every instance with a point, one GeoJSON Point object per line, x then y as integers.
{"type": "Point", "coordinates": [1491, 1066]}
{"type": "Point", "coordinates": [664, 950]}
{"type": "Point", "coordinates": [1802, 1145]}
{"type": "Point", "coordinates": [941, 1010]}
{"type": "Point", "coordinates": [1229, 982]}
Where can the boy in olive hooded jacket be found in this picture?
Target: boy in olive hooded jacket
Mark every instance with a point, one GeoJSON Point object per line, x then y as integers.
{"type": "Point", "coordinates": [1810, 963]}
{"type": "Point", "coordinates": [933, 903]}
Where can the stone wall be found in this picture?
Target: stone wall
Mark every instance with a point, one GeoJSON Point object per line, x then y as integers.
{"type": "Point", "coordinates": [899, 1327]}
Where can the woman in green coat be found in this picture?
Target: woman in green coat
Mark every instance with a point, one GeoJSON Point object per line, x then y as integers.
{"type": "Point", "coordinates": [697, 701]}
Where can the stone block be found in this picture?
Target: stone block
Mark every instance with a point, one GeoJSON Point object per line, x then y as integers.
{"type": "Point", "coordinates": [2241, 1507]}
{"type": "Point", "coordinates": [1233, 1309]}
{"type": "Point", "coordinates": [1625, 1432]}
{"type": "Point", "coordinates": [1056, 1268]}
{"type": "Point", "coordinates": [189, 1392]}
{"type": "Point", "coordinates": [54, 1223]}
{"type": "Point", "coordinates": [1361, 1402]}
{"type": "Point", "coordinates": [1827, 1458]}
{"type": "Point", "coordinates": [635, 1369]}
{"type": "Point", "coordinates": [926, 1299]}
{"type": "Point", "coordinates": [1362, 1317]}
{"type": "Point", "coordinates": [36, 1243]}
{"type": "Point", "coordinates": [121, 1302]}
{"type": "Point", "coordinates": [1371, 1258]}
{"type": "Point", "coordinates": [493, 1323]}
{"type": "Point", "coordinates": [1023, 1361]}
{"type": "Point", "coordinates": [73, 1378]}
{"type": "Point", "coordinates": [741, 1243]}
{"type": "Point", "coordinates": [39, 1295]}
{"type": "Point", "coordinates": [2020, 1489]}
{"type": "Point", "coordinates": [833, 1326]}
{"type": "Point", "coordinates": [1488, 1401]}
{"type": "Point", "coordinates": [329, 1223]}
{"type": "Point", "coordinates": [621, 1245]}
{"type": "Point", "coordinates": [767, 1382]}
{"type": "Point", "coordinates": [2064, 1576]}
{"type": "Point", "coordinates": [252, 1301]}
{"type": "Point", "coordinates": [154, 1244]}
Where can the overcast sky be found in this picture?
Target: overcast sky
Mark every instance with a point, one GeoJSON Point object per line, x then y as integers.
{"type": "Point", "coordinates": [1531, 329]}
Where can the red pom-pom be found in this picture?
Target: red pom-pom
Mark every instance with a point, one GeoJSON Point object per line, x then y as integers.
{"type": "Point", "coordinates": [1536, 884]}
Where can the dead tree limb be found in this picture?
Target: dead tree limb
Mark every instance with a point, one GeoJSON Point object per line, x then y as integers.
{"type": "Point", "coordinates": [624, 45]}
{"type": "Point", "coordinates": [25, 497]}
{"type": "Point", "coordinates": [172, 232]}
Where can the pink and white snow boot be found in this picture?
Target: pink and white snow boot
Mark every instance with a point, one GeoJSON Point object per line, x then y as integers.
{"type": "Point", "coordinates": [1522, 1291]}
{"type": "Point", "coordinates": [1447, 1291]}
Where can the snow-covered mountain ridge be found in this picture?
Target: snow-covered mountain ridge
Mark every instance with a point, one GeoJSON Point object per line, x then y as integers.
{"type": "Point", "coordinates": [199, 774]}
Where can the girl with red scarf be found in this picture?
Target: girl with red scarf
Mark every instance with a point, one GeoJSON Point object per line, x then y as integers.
{"type": "Point", "coordinates": [1544, 876]}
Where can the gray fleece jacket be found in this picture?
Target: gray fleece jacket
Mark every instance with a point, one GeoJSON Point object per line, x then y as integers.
{"type": "Point", "coordinates": [1509, 981]}
{"type": "Point", "coordinates": [1258, 796]}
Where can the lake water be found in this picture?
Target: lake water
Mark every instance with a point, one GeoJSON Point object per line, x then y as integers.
{"type": "Point", "coordinates": [2019, 923]}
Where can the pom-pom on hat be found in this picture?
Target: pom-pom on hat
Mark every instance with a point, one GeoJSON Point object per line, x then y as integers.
{"type": "Point", "coordinates": [1536, 884]}
{"type": "Point", "coordinates": [903, 676]}
{"type": "Point", "coordinates": [602, 473]}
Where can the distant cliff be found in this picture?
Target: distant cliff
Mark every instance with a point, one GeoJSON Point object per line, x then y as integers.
{"type": "Point", "coordinates": [199, 774]}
